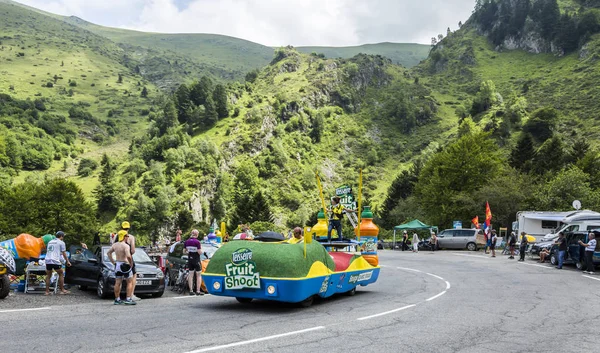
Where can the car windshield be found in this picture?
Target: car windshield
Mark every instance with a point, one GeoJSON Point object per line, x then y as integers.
{"type": "Point", "coordinates": [139, 256]}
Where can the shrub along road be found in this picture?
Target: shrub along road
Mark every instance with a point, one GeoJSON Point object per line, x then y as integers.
{"type": "Point", "coordinates": [442, 302]}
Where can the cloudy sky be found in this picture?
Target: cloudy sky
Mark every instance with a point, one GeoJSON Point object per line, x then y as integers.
{"type": "Point", "coordinates": [277, 22]}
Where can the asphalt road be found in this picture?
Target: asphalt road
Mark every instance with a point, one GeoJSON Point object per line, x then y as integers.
{"type": "Point", "coordinates": [442, 302]}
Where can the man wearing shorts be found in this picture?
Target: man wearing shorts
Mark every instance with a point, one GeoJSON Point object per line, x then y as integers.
{"type": "Point", "coordinates": [56, 247]}
{"type": "Point", "coordinates": [193, 248]}
{"type": "Point", "coordinates": [130, 240]}
{"type": "Point", "coordinates": [123, 263]}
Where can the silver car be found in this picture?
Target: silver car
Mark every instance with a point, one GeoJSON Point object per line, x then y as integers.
{"type": "Point", "coordinates": [458, 239]}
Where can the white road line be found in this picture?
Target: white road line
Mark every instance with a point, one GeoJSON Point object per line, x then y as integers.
{"type": "Point", "coordinates": [241, 343]}
{"type": "Point", "coordinates": [435, 296]}
{"type": "Point", "coordinates": [30, 309]}
{"type": "Point", "coordinates": [409, 269]}
{"type": "Point", "coordinates": [385, 313]}
{"type": "Point", "coordinates": [536, 265]}
{"type": "Point", "coordinates": [447, 285]}
{"type": "Point", "coordinates": [590, 277]}
{"type": "Point", "coordinates": [436, 276]}
{"type": "Point", "coordinates": [467, 255]}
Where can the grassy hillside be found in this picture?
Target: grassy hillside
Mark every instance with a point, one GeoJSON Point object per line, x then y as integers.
{"type": "Point", "coordinates": [405, 54]}
{"type": "Point", "coordinates": [223, 57]}
{"type": "Point", "coordinates": [63, 66]}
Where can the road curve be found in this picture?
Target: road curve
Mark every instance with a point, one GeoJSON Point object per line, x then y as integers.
{"type": "Point", "coordinates": [442, 302]}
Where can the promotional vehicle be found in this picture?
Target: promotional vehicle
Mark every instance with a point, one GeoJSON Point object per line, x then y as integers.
{"type": "Point", "coordinates": [7, 267]}
{"type": "Point", "coordinates": [286, 272]}
{"type": "Point", "coordinates": [92, 268]}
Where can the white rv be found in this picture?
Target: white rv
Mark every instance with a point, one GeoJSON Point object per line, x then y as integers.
{"type": "Point", "coordinates": [545, 225]}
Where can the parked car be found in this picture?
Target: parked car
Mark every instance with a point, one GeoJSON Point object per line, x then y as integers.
{"type": "Point", "coordinates": [536, 248]}
{"type": "Point", "coordinates": [176, 258]}
{"type": "Point", "coordinates": [575, 252]}
{"type": "Point", "coordinates": [92, 268]}
{"type": "Point", "coordinates": [458, 239]}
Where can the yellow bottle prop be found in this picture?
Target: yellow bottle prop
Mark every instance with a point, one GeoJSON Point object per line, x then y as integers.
{"type": "Point", "coordinates": [320, 229]}
{"type": "Point", "coordinates": [368, 236]}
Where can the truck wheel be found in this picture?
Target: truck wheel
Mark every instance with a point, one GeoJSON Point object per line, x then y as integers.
{"type": "Point", "coordinates": [554, 260]}
{"type": "Point", "coordinates": [4, 286]}
{"type": "Point", "coordinates": [307, 302]}
{"type": "Point", "coordinates": [472, 247]}
{"type": "Point", "coordinates": [243, 300]}
{"type": "Point", "coordinates": [351, 292]}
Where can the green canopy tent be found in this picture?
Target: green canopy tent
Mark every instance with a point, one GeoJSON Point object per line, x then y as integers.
{"type": "Point", "coordinates": [414, 224]}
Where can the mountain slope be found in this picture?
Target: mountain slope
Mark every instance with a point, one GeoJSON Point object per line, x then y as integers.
{"type": "Point", "coordinates": [405, 54]}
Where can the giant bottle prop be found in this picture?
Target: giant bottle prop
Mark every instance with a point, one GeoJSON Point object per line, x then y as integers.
{"type": "Point", "coordinates": [26, 246]}
{"type": "Point", "coordinates": [368, 236]}
{"type": "Point", "coordinates": [320, 229]}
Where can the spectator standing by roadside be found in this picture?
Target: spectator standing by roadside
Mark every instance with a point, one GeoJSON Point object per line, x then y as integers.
{"type": "Point", "coordinates": [123, 263]}
{"type": "Point", "coordinates": [590, 247]}
{"type": "Point", "coordinates": [405, 241]}
{"type": "Point", "coordinates": [56, 249]}
{"type": "Point", "coordinates": [433, 241]}
{"type": "Point", "coordinates": [415, 242]}
{"type": "Point", "coordinates": [488, 240]}
{"type": "Point", "coordinates": [130, 240]}
{"type": "Point", "coordinates": [193, 248]}
{"type": "Point", "coordinates": [511, 244]}
{"type": "Point", "coordinates": [523, 246]}
{"type": "Point", "coordinates": [562, 249]}
{"type": "Point", "coordinates": [493, 240]}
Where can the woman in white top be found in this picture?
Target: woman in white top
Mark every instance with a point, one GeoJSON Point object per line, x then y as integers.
{"type": "Point", "coordinates": [415, 242]}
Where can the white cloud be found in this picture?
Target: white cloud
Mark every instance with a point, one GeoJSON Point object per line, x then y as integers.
{"type": "Point", "coordinates": [277, 22]}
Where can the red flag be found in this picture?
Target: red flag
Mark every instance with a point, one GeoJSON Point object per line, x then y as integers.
{"type": "Point", "coordinates": [488, 214]}
{"type": "Point", "coordinates": [475, 221]}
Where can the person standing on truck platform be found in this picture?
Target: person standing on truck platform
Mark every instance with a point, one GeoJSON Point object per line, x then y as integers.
{"type": "Point", "coordinates": [336, 213]}
{"type": "Point", "coordinates": [590, 247]}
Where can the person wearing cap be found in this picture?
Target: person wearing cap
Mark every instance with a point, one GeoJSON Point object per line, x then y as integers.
{"type": "Point", "coordinates": [130, 240]}
{"type": "Point", "coordinates": [336, 212]}
{"type": "Point", "coordinates": [56, 247]}
{"type": "Point", "coordinates": [193, 248]}
{"type": "Point", "coordinates": [123, 264]}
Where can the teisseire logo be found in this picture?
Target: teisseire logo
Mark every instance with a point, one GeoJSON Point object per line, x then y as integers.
{"type": "Point", "coordinates": [241, 256]}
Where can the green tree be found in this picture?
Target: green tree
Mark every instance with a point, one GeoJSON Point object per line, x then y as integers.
{"type": "Point", "coordinates": [453, 174]}
{"type": "Point", "coordinates": [402, 187]}
{"type": "Point", "coordinates": [210, 112]}
{"type": "Point", "coordinates": [107, 193]}
{"type": "Point", "coordinates": [201, 90]}
{"type": "Point", "coordinates": [167, 118]}
{"type": "Point", "coordinates": [550, 156]}
{"type": "Point", "coordinates": [317, 128]}
{"type": "Point", "coordinates": [220, 99]}
{"type": "Point", "coordinates": [144, 93]}
{"type": "Point", "coordinates": [521, 157]}
{"type": "Point", "coordinates": [183, 103]}
{"type": "Point", "coordinates": [568, 185]}
{"type": "Point", "coordinates": [485, 99]}
{"type": "Point", "coordinates": [542, 123]}
{"type": "Point", "coordinates": [120, 79]}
